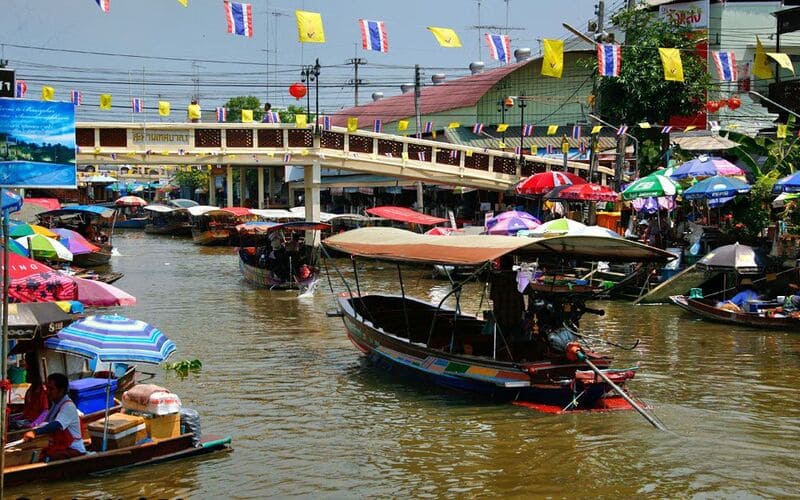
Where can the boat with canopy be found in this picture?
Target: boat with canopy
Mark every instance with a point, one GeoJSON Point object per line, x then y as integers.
{"type": "Point", "coordinates": [543, 362]}
{"type": "Point", "coordinates": [163, 219]}
{"type": "Point", "coordinates": [86, 221]}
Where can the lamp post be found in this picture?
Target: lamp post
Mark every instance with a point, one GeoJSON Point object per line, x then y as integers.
{"type": "Point", "coordinates": [522, 106]}
{"type": "Point", "coordinates": [311, 74]}
{"type": "Point", "coordinates": [502, 106]}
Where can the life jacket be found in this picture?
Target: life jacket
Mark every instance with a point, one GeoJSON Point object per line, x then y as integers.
{"type": "Point", "coordinates": [59, 440]}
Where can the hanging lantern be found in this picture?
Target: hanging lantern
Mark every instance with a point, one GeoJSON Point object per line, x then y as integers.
{"type": "Point", "coordinates": [734, 103]}
{"type": "Point", "coordinates": [297, 90]}
{"type": "Point", "coordinates": [712, 106]}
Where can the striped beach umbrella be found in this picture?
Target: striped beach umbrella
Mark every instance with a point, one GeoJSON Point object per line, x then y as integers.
{"type": "Point", "coordinates": [113, 339]}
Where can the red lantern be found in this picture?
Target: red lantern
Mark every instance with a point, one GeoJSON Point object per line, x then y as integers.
{"type": "Point", "coordinates": [297, 90]}
{"type": "Point", "coordinates": [734, 103]}
{"type": "Point", "coordinates": [712, 106]}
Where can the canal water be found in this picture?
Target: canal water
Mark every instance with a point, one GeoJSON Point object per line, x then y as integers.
{"type": "Point", "coordinates": [309, 417]}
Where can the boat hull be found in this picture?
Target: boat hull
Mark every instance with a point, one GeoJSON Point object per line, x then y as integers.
{"type": "Point", "coordinates": [93, 259]}
{"type": "Point", "coordinates": [264, 278]}
{"type": "Point", "coordinates": [137, 223]}
{"type": "Point", "coordinates": [211, 237]}
{"type": "Point", "coordinates": [707, 310]}
{"type": "Point", "coordinates": [174, 229]}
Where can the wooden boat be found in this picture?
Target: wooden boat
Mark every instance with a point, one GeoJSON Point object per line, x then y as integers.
{"type": "Point", "coordinates": [707, 309]}
{"type": "Point", "coordinates": [217, 226]}
{"type": "Point", "coordinates": [20, 471]}
{"type": "Point", "coordinates": [467, 353]}
{"type": "Point", "coordinates": [172, 221]}
{"type": "Point", "coordinates": [262, 267]}
{"type": "Point", "coordinates": [85, 220]}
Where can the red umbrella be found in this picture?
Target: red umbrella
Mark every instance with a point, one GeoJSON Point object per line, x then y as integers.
{"type": "Point", "coordinates": [543, 182]}
{"type": "Point", "coordinates": [443, 231]}
{"type": "Point", "coordinates": [133, 201]}
{"type": "Point", "coordinates": [589, 192]}
{"type": "Point", "coordinates": [33, 281]}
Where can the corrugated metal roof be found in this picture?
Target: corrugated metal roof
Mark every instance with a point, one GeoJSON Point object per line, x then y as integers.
{"type": "Point", "coordinates": [490, 138]}
{"type": "Point", "coordinates": [704, 141]}
{"type": "Point", "coordinates": [460, 93]}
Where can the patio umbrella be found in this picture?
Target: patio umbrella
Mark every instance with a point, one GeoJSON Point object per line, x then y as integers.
{"type": "Point", "coordinates": [510, 225]}
{"type": "Point", "coordinates": [112, 339]}
{"type": "Point", "coordinates": [43, 247]}
{"type": "Point", "coordinates": [788, 184]}
{"type": "Point", "coordinates": [559, 226]}
{"type": "Point", "coordinates": [589, 192]}
{"type": "Point", "coordinates": [26, 321]}
{"type": "Point", "coordinates": [99, 294]}
{"type": "Point", "coordinates": [781, 200]}
{"type": "Point", "coordinates": [740, 258]}
{"type": "Point", "coordinates": [16, 248]}
{"type": "Point", "coordinates": [651, 186]}
{"type": "Point", "coordinates": [599, 231]}
{"type": "Point", "coordinates": [706, 166]}
{"type": "Point", "coordinates": [100, 179]}
{"type": "Point", "coordinates": [442, 231]}
{"type": "Point", "coordinates": [543, 182]}
{"type": "Point", "coordinates": [131, 201]}
{"type": "Point", "coordinates": [555, 193]}
{"type": "Point", "coordinates": [11, 201]}
{"type": "Point", "coordinates": [33, 281]}
{"type": "Point", "coordinates": [75, 241]}
{"type": "Point", "coordinates": [23, 229]}
{"type": "Point", "coordinates": [716, 187]}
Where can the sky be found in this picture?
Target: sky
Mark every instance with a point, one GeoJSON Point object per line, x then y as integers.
{"type": "Point", "coordinates": [159, 50]}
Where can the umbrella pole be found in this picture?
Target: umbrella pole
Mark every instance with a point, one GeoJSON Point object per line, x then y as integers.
{"type": "Point", "coordinates": [105, 420]}
{"type": "Point", "coordinates": [4, 352]}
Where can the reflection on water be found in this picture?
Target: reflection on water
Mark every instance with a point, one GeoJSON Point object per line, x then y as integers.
{"type": "Point", "coordinates": [309, 416]}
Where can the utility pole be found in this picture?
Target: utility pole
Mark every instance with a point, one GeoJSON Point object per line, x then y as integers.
{"type": "Point", "coordinates": [600, 11]}
{"type": "Point", "coordinates": [417, 94]}
{"type": "Point", "coordinates": [355, 82]}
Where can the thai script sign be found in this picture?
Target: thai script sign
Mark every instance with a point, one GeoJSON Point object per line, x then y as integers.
{"type": "Point", "coordinates": [159, 137]}
{"type": "Point", "coordinates": [693, 14]}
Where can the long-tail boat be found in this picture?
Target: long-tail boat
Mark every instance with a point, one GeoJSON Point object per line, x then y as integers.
{"type": "Point", "coordinates": [168, 220]}
{"type": "Point", "coordinates": [547, 365]}
{"type": "Point", "coordinates": [85, 219]}
{"type": "Point", "coordinates": [766, 319]}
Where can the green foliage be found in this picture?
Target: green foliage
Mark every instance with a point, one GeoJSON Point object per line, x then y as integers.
{"type": "Point", "coordinates": [236, 104]}
{"type": "Point", "coordinates": [641, 93]}
{"type": "Point", "coordinates": [779, 155]}
{"type": "Point", "coordinates": [192, 178]}
{"type": "Point", "coordinates": [750, 214]}
{"type": "Point", "coordinates": [182, 368]}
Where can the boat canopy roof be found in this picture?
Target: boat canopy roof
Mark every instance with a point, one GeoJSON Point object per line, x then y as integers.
{"type": "Point", "coordinates": [80, 209]}
{"type": "Point", "coordinates": [403, 214]}
{"type": "Point", "coordinates": [162, 209]}
{"type": "Point", "coordinates": [265, 227]}
{"type": "Point", "coordinates": [391, 244]}
{"type": "Point", "coordinates": [216, 211]}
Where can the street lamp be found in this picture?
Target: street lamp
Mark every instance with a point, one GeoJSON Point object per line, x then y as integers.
{"type": "Point", "coordinates": [522, 106]}
{"type": "Point", "coordinates": [311, 74]}
{"type": "Point", "coordinates": [502, 106]}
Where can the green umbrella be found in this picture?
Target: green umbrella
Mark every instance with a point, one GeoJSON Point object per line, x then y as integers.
{"type": "Point", "coordinates": [652, 186]}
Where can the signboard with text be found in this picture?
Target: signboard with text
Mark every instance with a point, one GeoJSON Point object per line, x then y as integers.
{"type": "Point", "coordinates": [159, 137]}
{"type": "Point", "coordinates": [7, 82]}
{"type": "Point", "coordinates": [693, 14]}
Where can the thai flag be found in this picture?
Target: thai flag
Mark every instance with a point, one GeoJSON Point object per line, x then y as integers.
{"type": "Point", "coordinates": [287, 158]}
{"type": "Point", "coordinates": [666, 129]}
{"type": "Point", "coordinates": [453, 154]}
{"type": "Point", "coordinates": [239, 17]}
{"type": "Point", "coordinates": [421, 155]}
{"type": "Point", "coordinates": [76, 97]}
{"type": "Point", "coordinates": [105, 5]}
{"type": "Point", "coordinates": [622, 130]}
{"type": "Point", "coordinates": [326, 123]}
{"type": "Point", "coordinates": [582, 147]}
{"type": "Point", "coordinates": [22, 88]}
{"type": "Point", "coordinates": [713, 125]}
{"type": "Point", "coordinates": [517, 150]}
{"type": "Point", "coordinates": [576, 132]}
{"type": "Point", "coordinates": [273, 117]}
{"type": "Point", "coordinates": [527, 130]}
{"type": "Point", "coordinates": [222, 114]}
{"type": "Point", "coordinates": [549, 149]}
{"type": "Point", "coordinates": [726, 66]}
{"type": "Point", "coordinates": [428, 127]}
{"type": "Point", "coordinates": [477, 129]}
{"type": "Point", "coordinates": [136, 105]}
{"type": "Point", "coordinates": [377, 127]}
{"type": "Point", "coordinates": [499, 47]}
{"type": "Point", "coordinates": [609, 59]}
{"type": "Point", "coordinates": [373, 35]}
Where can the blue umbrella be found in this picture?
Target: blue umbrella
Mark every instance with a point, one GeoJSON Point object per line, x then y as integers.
{"type": "Point", "coordinates": [11, 201]}
{"type": "Point", "coordinates": [789, 184]}
{"type": "Point", "coordinates": [705, 166]}
{"type": "Point", "coordinates": [716, 187]}
{"type": "Point", "coordinates": [112, 339]}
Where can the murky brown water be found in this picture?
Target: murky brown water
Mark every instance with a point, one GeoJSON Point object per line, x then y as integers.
{"type": "Point", "coordinates": [309, 418]}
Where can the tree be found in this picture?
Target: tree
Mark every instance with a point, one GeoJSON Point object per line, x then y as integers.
{"type": "Point", "coordinates": [191, 177]}
{"type": "Point", "coordinates": [640, 93]}
{"type": "Point", "coordinates": [236, 104]}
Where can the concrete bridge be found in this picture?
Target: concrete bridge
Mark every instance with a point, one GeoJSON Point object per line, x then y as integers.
{"type": "Point", "coordinates": [266, 146]}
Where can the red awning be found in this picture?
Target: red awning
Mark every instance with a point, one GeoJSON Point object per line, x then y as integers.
{"type": "Point", "coordinates": [403, 214]}
{"type": "Point", "coordinates": [46, 203]}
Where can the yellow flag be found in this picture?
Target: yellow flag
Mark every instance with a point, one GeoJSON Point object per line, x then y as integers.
{"type": "Point", "coordinates": [185, 3]}
{"type": "Point", "coordinates": [553, 59]}
{"type": "Point", "coordinates": [644, 125]}
{"type": "Point", "coordinates": [300, 121]}
{"type": "Point", "coordinates": [469, 153]}
{"type": "Point", "coordinates": [48, 93]}
{"type": "Point", "coordinates": [501, 145]}
{"type": "Point", "coordinates": [163, 108]}
{"type": "Point", "coordinates": [352, 124]}
{"type": "Point", "coordinates": [402, 125]}
{"type": "Point", "coordinates": [193, 112]}
{"type": "Point", "coordinates": [781, 132]}
{"type": "Point", "coordinates": [105, 101]}
{"type": "Point", "coordinates": [247, 115]}
{"type": "Point", "coordinates": [673, 66]}
{"type": "Point", "coordinates": [502, 127]}
{"type": "Point", "coordinates": [762, 68]}
{"type": "Point", "coordinates": [454, 125]}
{"type": "Point", "coordinates": [309, 27]}
{"type": "Point", "coordinates": [445, 36]}
{"type": "Point", "coordinates": [782, 60]}
{"type": "Point", "coordinates": [689, 128]}
{"type": "Point", "coordinates": [552, 129]}
{"type": "Point", "coordinates": [596, 129]}
{"type": "Point", "coordinates": [404, 155]}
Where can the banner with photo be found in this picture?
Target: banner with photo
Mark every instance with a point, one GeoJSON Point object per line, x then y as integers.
{"type": "Point", "coordinates": [37, 144]}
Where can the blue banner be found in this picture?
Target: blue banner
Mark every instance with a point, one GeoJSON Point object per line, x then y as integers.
{"type": "Point", "coordinates": [37, 144]}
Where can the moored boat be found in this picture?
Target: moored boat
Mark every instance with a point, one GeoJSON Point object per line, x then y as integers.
{"type": "Point", "coordinates": [167, 220]}
{"type": "Point", "coordinates": [86, 221]}
{"type": "Point", "coordinates": [766, 318]}
{"type": "Point", "coordinates": [217, 226]}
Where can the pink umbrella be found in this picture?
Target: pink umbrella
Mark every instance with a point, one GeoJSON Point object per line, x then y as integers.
{"type": "Point", "coordinates": [543, 182]}
{"type": "Point", "coordinates": [131, 201]}
{"type": "Point", "coordinates": [75, 242]}
{"type": "Point", "coordinates": [510, 225]}
{"type": "Point", "coordinates": [443, 231]}
{"type": "Point", "coordinates": [100, 294]}
{"type": "Point", "coordinates": [589, 192]}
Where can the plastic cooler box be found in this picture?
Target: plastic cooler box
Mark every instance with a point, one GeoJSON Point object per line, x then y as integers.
{"type": "Point", "coordinates": [123, 431]}
{"type": "Point", "coordinates": [89, 394]}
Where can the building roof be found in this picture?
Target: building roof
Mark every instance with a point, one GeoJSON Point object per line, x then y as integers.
{"type": "Point", "coordinates": [490, 138]}
{"type": "Point", "coordinates": [702, 141]}
{"type": "Point", "coordinates": [460, 93]}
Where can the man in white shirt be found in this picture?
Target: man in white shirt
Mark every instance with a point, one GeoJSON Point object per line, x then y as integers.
{"type": "Point", "coordinates": [63, 425]}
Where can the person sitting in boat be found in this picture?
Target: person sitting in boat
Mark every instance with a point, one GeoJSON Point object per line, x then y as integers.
{"type": "Point", "coordinates": [508, 305]}
{"type": "Point", "coordinates": [792, 302]}
{"type": "Point", "coordinates": [63, 423]}
{"type": "Point", "coordinates": [36, 403]}
{"type": "Point", "coordinates": [294, 249]}
{"type": "Point", "coordinates": [739, 301]}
